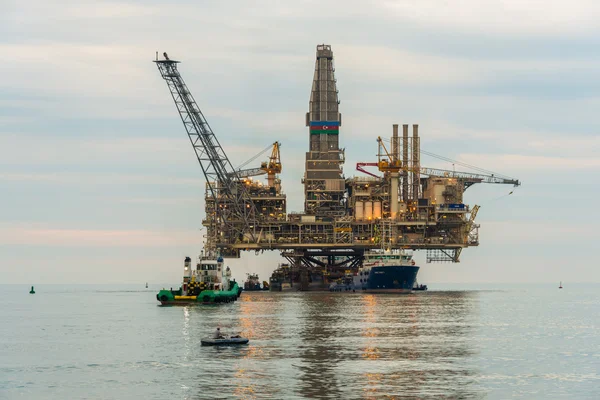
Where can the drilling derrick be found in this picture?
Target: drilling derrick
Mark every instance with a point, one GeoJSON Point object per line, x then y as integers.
{"type": "Point", "coordinates": [231, 213]}
{"type": "Point", "coordinates": [323, 180]}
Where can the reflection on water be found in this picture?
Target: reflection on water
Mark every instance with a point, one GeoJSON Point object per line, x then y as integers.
{"type": "Point", "coordinates": [526, 342]}
{"type": "Point", "coordinates": [330, 345]}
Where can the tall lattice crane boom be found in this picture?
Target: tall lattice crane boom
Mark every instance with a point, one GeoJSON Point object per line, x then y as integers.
{"type": "Point", "coordinates": [238, 215]}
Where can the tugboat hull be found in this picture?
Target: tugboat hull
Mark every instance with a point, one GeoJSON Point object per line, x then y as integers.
{"type": "Point", "coordinates": [167, 298]}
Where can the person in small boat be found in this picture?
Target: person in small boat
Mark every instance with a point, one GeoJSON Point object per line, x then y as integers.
{"type": "Point", "coordinates": [218, 335]}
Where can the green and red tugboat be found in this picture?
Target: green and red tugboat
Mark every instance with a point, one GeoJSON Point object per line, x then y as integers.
{"type": "Point", "coordinates": [209, 283]}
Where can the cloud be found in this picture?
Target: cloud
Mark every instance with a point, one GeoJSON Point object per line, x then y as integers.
{"type": "Point", "coordinates": [531, 142]}
{"type": "Point", "coordinates": [163, 201]}
{"type": "Point", "coordinates": [73, 68]}
{"type": "Point", "coordinates": [393, 69]}
{"type": "Point", "coordinates": [264, 120]}
{"type": "Point", "coordinates": [382, 64]}
{"type": "Point", "coordinates": [568, 143]}
{"type": "Point", "coordinates": [109, 10]}
{"type": "Point", "coordinates": [104, 148]}
{"type": "Point", "coordinates": [507, 17]}
{"type": "Point", "coordinates": [83, 179]}
{"type": "Point", "coordinates": [525, 162]}
{"type": "Point", "coordinates": [21, 234]}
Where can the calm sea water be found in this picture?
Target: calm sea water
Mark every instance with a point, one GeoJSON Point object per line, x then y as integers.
{"type": "Point", "coordinates": [107, 342]}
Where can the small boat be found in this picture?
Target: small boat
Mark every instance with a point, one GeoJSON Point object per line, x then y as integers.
{"type": "Point", "coordinates": [281, 280]}
{"type": "Point", "coordinates": [253, 283]}
{"type": "Point", "coordinates": [209, 283]}
{"type": "Point", "coordinates": [146, 285]}
{"type": "Point", "coordinates": [224, 341]}
{"type": "Point", "coordinates": [32, 291]}
{"type": "Point", "coordinates": [560, 285]}
{"type": "Point", "coordinates": [419, 287]}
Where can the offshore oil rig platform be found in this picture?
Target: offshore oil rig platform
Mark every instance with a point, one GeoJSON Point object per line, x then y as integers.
{"type": "Point", "coordinates": [405, 206]}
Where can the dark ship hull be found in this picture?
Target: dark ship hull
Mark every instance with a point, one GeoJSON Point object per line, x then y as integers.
{"type": "Point", "coordinates": [390, 279]}
{"type": "Point", "coordinates": [379, 279]}
{"type": "Point", "coordinates": [277, 286]}
{"type": "Point", "coordinates": [250, 286]}
{"type": "Point", "coordinates": [254, 288]}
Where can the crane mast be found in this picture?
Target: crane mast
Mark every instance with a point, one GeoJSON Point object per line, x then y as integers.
{"type": "Point", "coordinates": [234, 208]}
{"type": "Point", "coordinates": [273, 166]}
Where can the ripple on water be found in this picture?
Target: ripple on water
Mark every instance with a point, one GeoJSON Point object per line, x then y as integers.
{"type": "Point", "coordinates": [119, 344]}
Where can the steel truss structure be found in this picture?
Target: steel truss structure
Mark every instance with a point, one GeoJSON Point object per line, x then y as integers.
{"type": "Point", "coordinates": [233, 206]}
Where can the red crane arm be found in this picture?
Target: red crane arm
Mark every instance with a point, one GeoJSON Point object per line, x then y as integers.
{"type": "Point", "coordinates": [360, 165]}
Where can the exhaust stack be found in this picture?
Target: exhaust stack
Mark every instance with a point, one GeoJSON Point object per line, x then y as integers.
{"type": "Point", "coordinates": [416, 162]}
{"type": "Point", "coordinates": [394, 198]}
{"type": "Point", "coordinates": [405, 163]}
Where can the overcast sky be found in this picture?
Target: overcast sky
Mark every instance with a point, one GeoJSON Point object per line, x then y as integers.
{"type": "Point", "coordinates": [99, 183]}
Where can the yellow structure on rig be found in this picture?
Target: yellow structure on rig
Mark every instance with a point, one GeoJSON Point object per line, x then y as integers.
{"type": "Point", "coordinates": [273, 166]}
